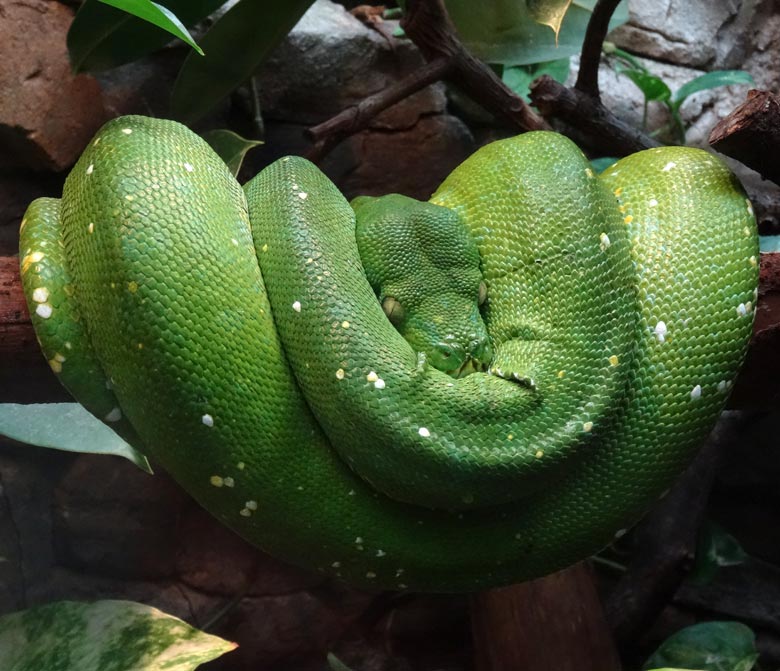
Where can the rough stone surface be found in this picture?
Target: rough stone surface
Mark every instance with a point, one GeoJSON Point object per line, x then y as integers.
{"type": "Point", "coordinates": [47, 115]}
{"type": "Point", "coordinates": [333, 58]}
{"type": "Point", "coordinates": [695, 33]}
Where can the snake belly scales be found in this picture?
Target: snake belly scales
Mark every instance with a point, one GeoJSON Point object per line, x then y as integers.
{"type": "Point", "coordinates": [232, 335]}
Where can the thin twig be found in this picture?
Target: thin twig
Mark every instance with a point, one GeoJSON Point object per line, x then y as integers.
{"type": "Point", "coordinates": [354, 119]}
{"type": "Point", "coordinates": [590, 57]}
{"type": "Point", "coordinates": [428, 25]}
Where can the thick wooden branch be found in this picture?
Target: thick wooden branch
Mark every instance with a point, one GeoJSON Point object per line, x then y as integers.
{"type": "Point", "coordinates": [751, 134]}
{"type": "Point", "coordinates": [556, 622]}
{"type": "Point", "coordinates": [595, 123]}
{"type": "Point", "coordinates": [428, 25]}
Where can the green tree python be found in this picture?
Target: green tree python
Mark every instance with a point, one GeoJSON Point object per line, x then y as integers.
{"type": "Point", "coordinates": [443, 396]}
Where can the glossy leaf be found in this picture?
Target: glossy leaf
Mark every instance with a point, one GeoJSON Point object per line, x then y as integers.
{"type": "Point", "coordinates": [715, 548]}
{"type": "Point", "coordinates": [709, 646]}
{"type": "Point", "coordinates": [653, 88]}
{"type": "Point", "coordinates": [549, 13]}
{"type": "Point", "coordinates": [519, 77]}
{"type": "Point", "coordinates": [335, 664]}
{"type": "Point", "coordinates": [504, 31]}
{"type": "Point", "coordinates": [601, 164]}
{"type": "Point", "coordinates": [711, 80]}
{"type": "Point", "coordinates": [103, 37]}
{"type": "Point", "coordinates": [64, 426]}
{"type": "Point", "coordinates": [230, 147]}
{"type": "Point", "coordinates": [116, 635]}
{"type": "Point", "coordinates": [769, 244]}
{"type": "Point", "coordinates": [157, 15]}
{"type": "Point", "coordinates": [235, 46]}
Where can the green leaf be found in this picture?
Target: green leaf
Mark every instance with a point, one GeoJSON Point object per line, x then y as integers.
{"type": "Point", "coordinates": [230, 147]}
{"type": "Point", "coordinates": [601, 164]}
{"type": "Point", "coordinates": [519, 77]}
{"type": "Point", "coordinates": [64, 426]}
{"type": "Point", "coordinates": [504, 31]}
{"type": "Point", "coordinates": [157, 15]}
{"type": "Point", "coordinates": [769, 244]}
{"type": "Point", "coordinates": [653, 88]}
{"type": "Point", "coordinates": [549, 13]}
{"type": "Point", "coordinates": [102, 37]}
{"type": "Point", "coordinates": [711, 80]}
{"type": "Point", "coordinates": [335, 664]}
{"type": "Point", "coordinates": [715, 548]}
{"type": "Point", "coordinates": [235, 46]}
{"type": "Point", "coordinates": [709, 646]}
{"type": "Point", "coordinates": [116, 635]}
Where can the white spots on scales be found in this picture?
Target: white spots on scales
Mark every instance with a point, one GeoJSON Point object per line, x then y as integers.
{"type": "Point", "coordinates": [744, 309]}
{"type": "Point", "coordinates": [91, 168]}
{"type": "Point", "coordinates": [207, 420]}
{"type": "Point", "coordinates": [696, 393]}
{"type": "Point", "coordinates": [127, 131]}
{"type": "Point", "coordinates": [660, 331]}
{"type": "Point", "coordinates": [249, 507]}
{"type": "Point", "coordinates": [425, 433]}
{"type": "Point", "coordinates": [604, 241]}
{"type": "Point", "coordinates": [668, 166]}
{"type": "Point", "coordinates": [296, 306]}
{"type": "Point", "coordinates": [188, 167]}
{"type": "Point", "coordinates": [724, 386]}
{"type": "Point", "coordinates": [377, 381]}
{"type": "Point", "coordinates": [44, 310]}
{"type": "Point", "coordinates": [40, 295]}
{"type": "Point", "coordinates": [303, 195]}
{"type": "Point", "coordinates": [652, 202]}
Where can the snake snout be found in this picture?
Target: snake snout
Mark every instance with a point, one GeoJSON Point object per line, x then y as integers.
{"type": "Point", "coordinates": [448, 356]}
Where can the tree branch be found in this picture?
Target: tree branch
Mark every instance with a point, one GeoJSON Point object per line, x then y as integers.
{"type": "Point", "coordinates": [751, 134]}
{"type": "Point", "coordinates": [590, 56]}
{"type": "Point", "coordinates": [354, 119]}
{"type": "Point", "coordinates": [428, 25]}
{"type": "Point", "coordinates": [586, 114]}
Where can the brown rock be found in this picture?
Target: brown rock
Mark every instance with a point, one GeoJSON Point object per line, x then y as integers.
{"type": "Point", "coordinates": [47, 115]}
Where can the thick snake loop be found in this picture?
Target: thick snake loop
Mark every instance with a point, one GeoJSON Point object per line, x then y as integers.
{"type": "Point", "coordinates": [246, 351]}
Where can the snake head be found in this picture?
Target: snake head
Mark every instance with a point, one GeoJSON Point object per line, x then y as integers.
{"type": "Point", "coordinates": [424, 267]}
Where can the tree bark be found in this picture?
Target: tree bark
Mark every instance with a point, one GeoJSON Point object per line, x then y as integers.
{"type": "Point", "coordinates": [555, 623]}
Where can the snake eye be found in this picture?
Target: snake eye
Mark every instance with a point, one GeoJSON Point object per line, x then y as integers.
{"type": "Point", "coordinates": [394, 310]}
{"type": "Point", "coordinates": [482, 293]}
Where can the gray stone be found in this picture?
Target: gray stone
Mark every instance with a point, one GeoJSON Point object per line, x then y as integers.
{"type": "Point", "coordinates": [695, 33]}
{"type": "Point", "coordinates": [331, 61]}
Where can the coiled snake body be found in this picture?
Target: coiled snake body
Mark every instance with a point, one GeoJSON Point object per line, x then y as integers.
{"type": "Point", "coordinates": [255, 363]}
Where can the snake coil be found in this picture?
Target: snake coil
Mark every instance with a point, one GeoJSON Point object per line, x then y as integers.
{"type": "Point", "coordinates": [233, 337]}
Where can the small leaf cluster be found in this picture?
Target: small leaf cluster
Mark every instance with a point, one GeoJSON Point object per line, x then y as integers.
{"type": "Point", "coordinates": [656, 89]}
